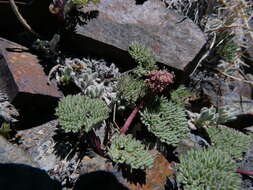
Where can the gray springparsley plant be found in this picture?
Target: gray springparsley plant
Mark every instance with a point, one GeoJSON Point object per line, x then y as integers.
{"type": "Point", "coordinates": [130, 89]}
{"type": "Point", "coordinates": [76, 112]}
{"type": "Point", "coordinates": [127, 150]}
{"type": "Point", "coordinates": [143, 57]}
{"type": "Point", "coordinates": [207, 116]}
{"type": "Point", "coordinates": [210, 116]}
{"type": "Point", "coordinates": [84, 2]}
{"type": "Point", "coordinates": [208, 169]}
{"type": "Point", "coordinates": [229, 140]}
{"type": "Point", "coordinates": [180, 94]}
{"type": "Point", "coordinates": [166, 120]}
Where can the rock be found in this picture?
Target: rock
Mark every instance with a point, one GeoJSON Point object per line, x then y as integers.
{"type": "Point", "coordinates": [249, 129]}
{"type": "Point", "coordinates": [43, 146]}
{"type": "Point", "coordinates": [8, 112]}
{"type": "Point", "coordinates": [247, 164]}
{"type": "Point", "coordinates": [22, 72]}
{"type": "Point", "coordinates": [152, 179]}
{"type": "Point", "coordinates": [113, 24]}
{"type": "Point", "coordinates": [39, 144]}
{"type": "Point", "coordinates": [12, 154]}
{"type": "Point", "coordinates": [192, 141]}
{"type": "Point", "coordinates": [223, 91]}
{"type": "Point", "coordinates": [24, 81]}
{"type": "Point", "coordinates": [156, 177]}
{"type": "Point", "coordinates": [50, 153]}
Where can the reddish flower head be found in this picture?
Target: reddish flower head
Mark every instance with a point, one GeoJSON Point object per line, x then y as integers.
{"type": "Point", "coordinates": [158, 80]}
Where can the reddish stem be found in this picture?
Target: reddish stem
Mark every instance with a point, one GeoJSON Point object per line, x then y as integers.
{"type": "Point", "coordinates": [244, 172]}
{"type": "Point", "coordinates": [130, 118]}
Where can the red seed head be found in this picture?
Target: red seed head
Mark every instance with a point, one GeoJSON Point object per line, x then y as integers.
{"type": "Point", "coordinates": [158, 80]}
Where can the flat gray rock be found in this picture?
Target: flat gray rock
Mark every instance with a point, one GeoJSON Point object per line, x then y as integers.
{"type": "Point", "coordinates": [39, 144]}
{"type": "Point", "coordinates": [10, 153]}
{"type": "Point", "coordinates": [110, 29]}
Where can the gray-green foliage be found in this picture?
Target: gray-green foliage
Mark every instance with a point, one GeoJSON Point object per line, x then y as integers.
{"type": "Point", "coordinates": [127, 150]}
{"type": "Point", "coordinates": [229, 140]}
{"type": "Point", "coordinates": [84, 2]}
{"type": "Point", "coordinates": [228, 48]}
{"type": "Point", "coordinates": [130, 89]}
{"type": "Point", "coordinates": [210, 116]}
{"type": "Point", "coordinates": [95, 78]}
{"type": "Point", "coordinates": [180, 94]}
{"type": "Point", "coordinates": [166, 120]}
{"type": "Point", "coordinates": [143, 57]}
{"type": "Point", "coordinates": [226, 113]}
{"type": "Point", "coordinates": [208, 169]}
{"type": "Point", "coordinates": [5, 130]}
{"type": "Point", "coordinates": [76, 112]}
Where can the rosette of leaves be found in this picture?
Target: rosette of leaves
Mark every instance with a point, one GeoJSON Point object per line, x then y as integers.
{"type": "Point", "coordinates": [76, 112]}
{"type": "Point", "coordinates": [210, 116]}
{"type": "Point", "coordinates": [104, 70]}
{"type": "Point", "coordinates": [66, 75]}
{"type": "Point", "coordinates": [180, 94]}
{"type": "Point", "coordinates": [143, 57]}
{"type": "Point", "coordinates": [207, 116]}
{"type": "Point", "coordinates": [130, 89]}
{"type": "Point", "coordinates": [125, 149]}
{"type": "Point", "coordinates": [95, 78]}
{"type": "Point", "coordinates": [229, 140]}
{"type": "Point", "coordinates": [166, 120]}
{"type": "Point", "coordinates": [207, 169]}
{"type": "Point", "coordinates": [226, 113]}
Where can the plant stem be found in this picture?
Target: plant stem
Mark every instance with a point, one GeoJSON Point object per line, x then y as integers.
{"type": "Point", "coordinates": [21, 18]}
{"type": "Point", "coordinates": [244, 172]}
{"type": "Point", "coordinates": [130, 118]}
{"type": "Point", "coordinates": [17, 2]}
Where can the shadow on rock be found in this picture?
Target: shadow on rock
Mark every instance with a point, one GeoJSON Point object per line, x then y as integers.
{"type": "Point", "coordinates": [68, 145]}
{"type": "Point", "coordinates": [98, 180]}
{"type": "Point", "coordinates": [24, 177]}
{"type": "Point", "coordinates": [135, 176]}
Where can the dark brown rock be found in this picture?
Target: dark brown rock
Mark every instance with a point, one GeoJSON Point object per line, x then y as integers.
{"type": "Point", "coordinates": [116, 23]}
{"type": "Point", "coordinates": [23, 79]}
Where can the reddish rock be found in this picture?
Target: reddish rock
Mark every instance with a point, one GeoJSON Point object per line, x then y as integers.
{"type": "Point", "coordinates": [23, 78]}
{"type": "Point", "coordinates": [156, 176]}
{"type": "Point", "coordinates": [152, 179]}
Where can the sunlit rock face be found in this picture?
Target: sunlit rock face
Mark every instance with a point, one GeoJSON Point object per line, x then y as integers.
{"type": "Point", "coordinates": [111, 25]}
